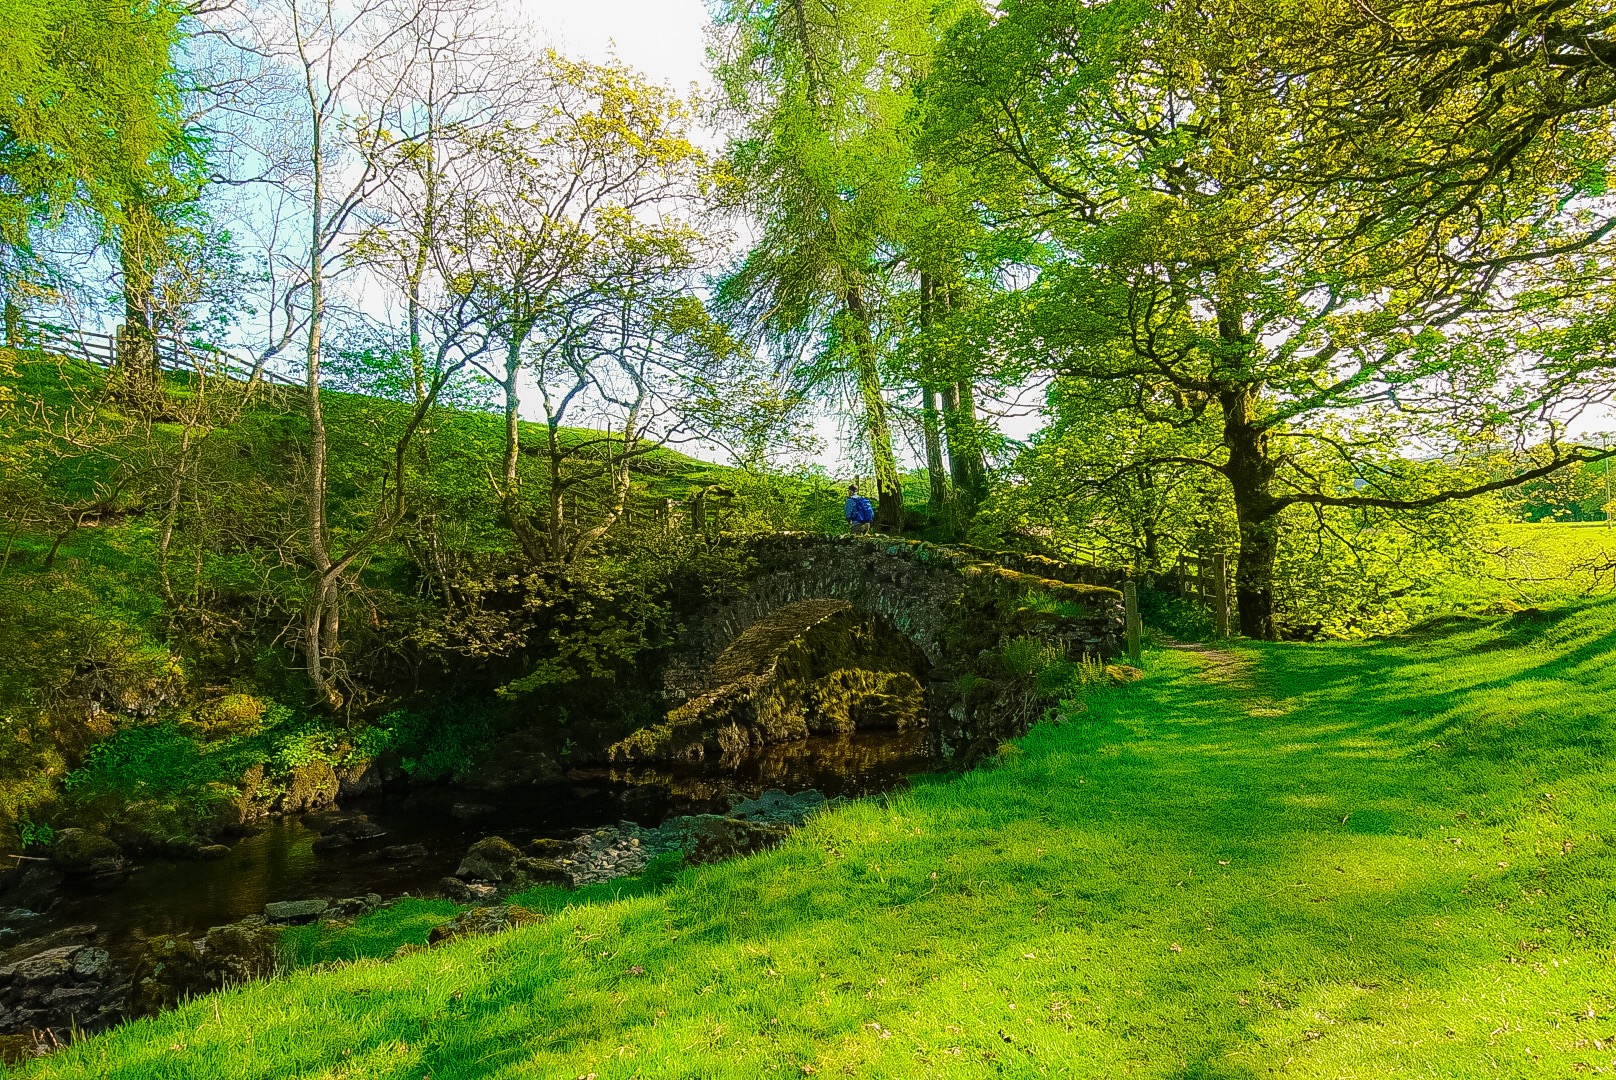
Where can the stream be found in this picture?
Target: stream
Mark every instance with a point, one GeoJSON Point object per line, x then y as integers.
{"type": "Point", "coordinates": [277, 862]}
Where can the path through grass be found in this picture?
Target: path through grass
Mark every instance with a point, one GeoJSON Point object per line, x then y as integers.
{"type": "Point", "coordinates": [1340, 860]}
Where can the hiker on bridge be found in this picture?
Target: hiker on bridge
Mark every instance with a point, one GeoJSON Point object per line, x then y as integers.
{"type": "Point", "coordinates": [858, 511]}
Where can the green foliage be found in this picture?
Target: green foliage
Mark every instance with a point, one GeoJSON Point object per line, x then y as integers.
{"type": "Point", "coordinates": [160, 778]}
{"type": "Point", "coordinates": [433, 742]}
{"type": "Point", "coordinates": [33, 835]}
{"type": "Point", "coordinates": [1356, 573]}
{"type": "Point", "coordinates": [88, 100]}
{"type": "Point", "coordinates": [1026, 657]}
{"type": "Point", "coordinates": [1092, 489]}
{"type": "Point", "coordinates": [1232, 289]}
{"type": "Point", "coordinates": [158, 757]}
{"type": "Point", "coordinates": [1577, 493]}
{"type": "Point", "coordinates": [1180, 618]}
{"type": "Point", "coordinates": [1038, 600]}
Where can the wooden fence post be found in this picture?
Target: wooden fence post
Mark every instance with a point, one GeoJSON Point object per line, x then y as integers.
{"type": "Point", "coordinates": [1220, 595]}
{"type": "Point", "coordinates": [1130, 618]}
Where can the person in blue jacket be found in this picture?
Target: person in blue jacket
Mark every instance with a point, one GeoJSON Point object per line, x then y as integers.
{"type": "Point", "coordinates": [858, 511]}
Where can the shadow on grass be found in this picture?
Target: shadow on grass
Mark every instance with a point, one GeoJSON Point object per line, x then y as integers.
{"type": "Point", "coordinates": [1185, 879]}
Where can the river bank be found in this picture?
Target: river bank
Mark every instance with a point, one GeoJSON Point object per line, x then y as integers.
{"type": "Point", "coordinates": [375, 849]}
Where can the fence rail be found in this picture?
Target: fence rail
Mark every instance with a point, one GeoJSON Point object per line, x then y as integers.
{"type": "Point", "coordinates": [1206, 578]}
{"type": "Point", "coordinates": [172, 354]}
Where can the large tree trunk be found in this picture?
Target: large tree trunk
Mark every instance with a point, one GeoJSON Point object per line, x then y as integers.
{"type": "Point", "coordinates": [936, 471]}
{"type": "Point", "coordinates": [888, 488]}
{"type": "Point", "coordinates": [12, 314]}
{"type": "Point", "coordinates": [1250, 470]}
{"type": "Point", "coordinates": [965, 461]}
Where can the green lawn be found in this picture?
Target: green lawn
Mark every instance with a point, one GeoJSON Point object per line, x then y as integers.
{"type": "Point", "coordinates": [1378, 859]}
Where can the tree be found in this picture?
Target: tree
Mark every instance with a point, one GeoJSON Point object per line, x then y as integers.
{"type": "Point", "coordinates": [821, 95]}
{"type": "Point", "coordinates": [355, 71]}
{"type": "Point", "coordinates": [1168, 159]}
{"type": "Point", "coordinates": [1103, 481]}
{"type": "Point", "coordinates": [556, 208]}
{"type": "Point", "coordinates": [89, 112]}
{"type": "Point", "coordinates": [468, 78]}
{"type": "Point", "coordinates": [634, 347]}
{"type": "Point", "coordinates": [87, 98]}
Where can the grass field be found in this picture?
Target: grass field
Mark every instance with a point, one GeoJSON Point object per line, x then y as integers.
{"type": "Point", "coordinates": [1327, 860]}
{"type": "Point", "coordinates": [1553, 560]}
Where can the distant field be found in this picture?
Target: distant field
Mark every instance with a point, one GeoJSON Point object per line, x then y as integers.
{"type": "Point", "coordinates": [1554, 560]}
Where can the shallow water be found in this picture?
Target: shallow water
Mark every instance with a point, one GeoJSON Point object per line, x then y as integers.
{"type": "Point", "coordinates": [277, 863]}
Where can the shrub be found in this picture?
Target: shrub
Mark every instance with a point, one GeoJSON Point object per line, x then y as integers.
{"type": "Point", "coordinates": [1026, 657]}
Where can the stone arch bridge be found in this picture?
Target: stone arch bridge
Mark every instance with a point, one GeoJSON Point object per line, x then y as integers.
{"type": "Point", "coordinates": [836, 634]}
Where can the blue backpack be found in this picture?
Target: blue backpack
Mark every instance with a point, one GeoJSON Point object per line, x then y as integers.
{"type": "Point", "coordinates": [863, 512]}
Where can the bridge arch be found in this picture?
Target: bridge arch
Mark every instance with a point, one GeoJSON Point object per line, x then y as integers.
{"type": "Point", "coordinates": [749, 664]}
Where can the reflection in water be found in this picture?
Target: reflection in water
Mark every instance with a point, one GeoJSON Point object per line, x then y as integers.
{"type": "Point", "coordinates": [278, 863]}
{"type": "Point", "coordinates": [859, 764]}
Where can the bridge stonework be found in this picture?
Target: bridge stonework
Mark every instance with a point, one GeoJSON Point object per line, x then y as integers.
{"type": "Point", "coordinates": [959, 608]}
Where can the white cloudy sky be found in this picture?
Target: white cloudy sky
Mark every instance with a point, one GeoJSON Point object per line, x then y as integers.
{"type": "Point", "coordinates": [663, 38]}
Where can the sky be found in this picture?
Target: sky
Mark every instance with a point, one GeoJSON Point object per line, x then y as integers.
{"type": "Point", "coordinates": [662, 38]}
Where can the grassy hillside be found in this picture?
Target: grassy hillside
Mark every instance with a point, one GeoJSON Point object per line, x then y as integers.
{"type": "Point", "coordinates": [138, 689]}
{"type": "Point", "coordinates": [1331, 860]}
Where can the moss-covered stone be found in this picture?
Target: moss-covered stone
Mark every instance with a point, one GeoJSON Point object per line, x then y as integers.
{"type": "Point", "coordinates": [492, 858]}
{"type": "Point", "coordinates": [483, 920]}
{"type": "Point", "coordinates": [789, 674]}
{"type": "Point", "coordinates": [82, 852]}
{"type": "Point", "coordinates": [169, 970]}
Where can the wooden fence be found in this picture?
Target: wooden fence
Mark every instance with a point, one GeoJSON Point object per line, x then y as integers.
{"type": "Point", "coordinates": [173, 354]}
{"type": "Point", "coordinates": [1206, 578]}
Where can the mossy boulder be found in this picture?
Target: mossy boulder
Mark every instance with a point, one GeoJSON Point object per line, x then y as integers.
{"type": "Point", "coordinates": [492, 858]}
{"type": "Point", "coordinates": [81, 852]}
{"type": "Point", "coordinates": [172, 968]}
{"type": "Point", "coordinates": [240, 952]}
{"type": "Point", "coordinates": [483, 920]}
{"type": "Point", "coordinates": [295, 911]}
{"type": "Point", "coordinates": [710, 838]}
{"type": "Point", "coordinates": [169, 970]}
